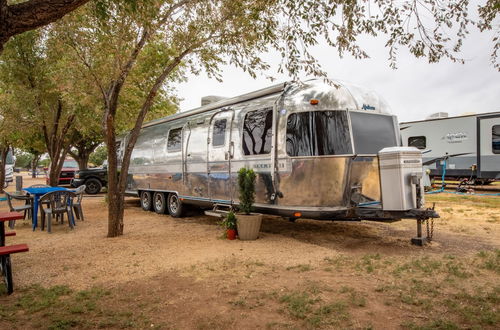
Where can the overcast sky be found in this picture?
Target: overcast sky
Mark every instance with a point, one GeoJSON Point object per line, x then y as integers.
{"type": "Point", "coordinates": [414, 91]}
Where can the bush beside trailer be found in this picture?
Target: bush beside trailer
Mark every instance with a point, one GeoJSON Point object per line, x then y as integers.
{"type": "Point", "coordinates": [313, 146]}
{"type": "Point", "coordinates": [470, 144]}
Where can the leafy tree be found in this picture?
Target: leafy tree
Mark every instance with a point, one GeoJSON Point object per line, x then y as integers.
{"type": "Point", "coordinates": [134, 51]}
{"type": "Point", "coordinates": [29, 74]}
{"type": "Point", "coordinates": [23, 159]}
{"type": "Point", "coordinates": [99, 156]}
{"type": "Point", "coordinates": [23, 16]}
{"type": "Point", "coordinates": [83, 146]}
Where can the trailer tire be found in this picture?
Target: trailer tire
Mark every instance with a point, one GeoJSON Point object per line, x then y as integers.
{"type": "Point", "coordinates": [146, 200]}
{"type": "Point", "coordinates": [175, 206]}
{"type": "Point", "coordinates": [159, 202]}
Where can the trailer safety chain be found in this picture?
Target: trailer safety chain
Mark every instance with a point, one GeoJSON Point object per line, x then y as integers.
{"type": "Point", "coordinates": [430, 228]}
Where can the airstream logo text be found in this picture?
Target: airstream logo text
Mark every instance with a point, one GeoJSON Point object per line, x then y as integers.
{"type": "Point", "coordinates": [455, 137]}
{"type": "Point", "coordinates": [367, 107]}
{"type": "Point", "coordinates": [262, 166]}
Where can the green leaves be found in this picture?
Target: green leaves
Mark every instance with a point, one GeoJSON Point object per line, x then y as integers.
{"type": "Point", "coordinates": [246, 185]}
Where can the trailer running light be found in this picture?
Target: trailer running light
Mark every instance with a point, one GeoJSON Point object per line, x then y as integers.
{"type": "Point", "coordinates": [297, 214]}
{"type": "Point", "coordinates": [313, 101]}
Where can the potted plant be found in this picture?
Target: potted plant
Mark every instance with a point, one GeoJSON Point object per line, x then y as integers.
{"type": "Point", "coordinates": [248, 223]}
{"type": "Point", "coordinates": [229, 223]}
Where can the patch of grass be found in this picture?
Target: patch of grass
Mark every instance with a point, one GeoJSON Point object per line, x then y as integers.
{"type": "Point", "coordinates": [37, 298]}
{"type": "Point", "coordinates": [369, 262]}
{"type": "Point", "coordinates": [424, 265]}
{"type": "Point", "coordinates": [355, 298]}
{"type": "Point", "coordinates": [466, 200]}
{"type": "Point", "coordinates": [338, 261]}
{"type": "Point", "coordinates": [60, 324]}
{"type": "Point", "coordinates": [59, 307]}
{"type": "Point", "coordinates": [434, 325]}
{"type": "Point", "coordinates": [238, 302]}
{"type": "Point", "coordinates": [490, 260]}
{"type": "Point", "coordinates": [447, 210]}
{"type": "Point", "coordinates": [298, 304]}
{"type": "Point", "coordinates": [300, 268]}
{"type": "Point", "coordinates": [457, 269]}
{"type": "Point", "coordinates": [329, 315]}
{"type": "Point", "coordinates": [479, 308]}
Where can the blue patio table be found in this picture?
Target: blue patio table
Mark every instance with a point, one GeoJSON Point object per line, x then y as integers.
{"type": "Point", "coordinates": [37, 193]}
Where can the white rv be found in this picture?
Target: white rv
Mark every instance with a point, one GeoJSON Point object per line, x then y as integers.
{"type": "Point", "coordinates": [468, 145]}
{"type": "Point", "coordinates": [9, 168]}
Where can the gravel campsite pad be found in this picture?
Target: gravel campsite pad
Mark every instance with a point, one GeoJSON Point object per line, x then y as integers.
{"type": "Point", "coordinates": [181, 273]}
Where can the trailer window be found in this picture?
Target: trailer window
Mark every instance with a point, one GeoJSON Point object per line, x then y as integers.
{"type": "Point", "coordinates": [318, 133]}
{"type": "Point", "coordinates": [174, 139]}
{"type": "Point", "coordinates": [372, 132]}
{"type": "Point", "coordinates": [219, 133]}
{"type": "Point", "coordinates": [257, 132]}
{"type": "Point", "coordinates": [417, 141]}
{"type": "Point", "coordinates": [495, 139]}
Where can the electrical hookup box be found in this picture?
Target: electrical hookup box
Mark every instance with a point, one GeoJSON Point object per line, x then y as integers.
{"type": "Point", "coordinates": [401, 178]}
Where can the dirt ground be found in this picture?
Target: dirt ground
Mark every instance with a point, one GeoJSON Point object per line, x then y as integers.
{"type": "Point", "coordinates": [181, 274]}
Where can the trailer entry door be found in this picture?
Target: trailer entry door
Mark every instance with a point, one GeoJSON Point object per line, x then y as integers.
{"type": "Point", "coordinates": [220, 149]}
{"type": "Point", "coordinates": [489, 147]}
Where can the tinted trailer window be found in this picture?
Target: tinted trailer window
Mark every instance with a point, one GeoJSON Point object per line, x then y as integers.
{"type": "Point", "coordinates": [318, 133]}
{"type": "Point", "coordinates": [372, 132]}
{"type": "Point", "coordinates": [495, 139]}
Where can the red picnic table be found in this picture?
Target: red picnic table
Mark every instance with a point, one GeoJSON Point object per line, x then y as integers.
{"type": "Point", "coordinates": [6, 251]}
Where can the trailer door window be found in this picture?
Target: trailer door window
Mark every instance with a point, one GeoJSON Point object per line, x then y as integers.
{"type": "Point", "coordinates": [417, 142]}
{"type": "Point", "coordinates": [174, 139]}
{"type": "Point", "coordinates": [318, 133]}
{"type": "Point", "coordinates": [495, 139]}
{"type": "Point", "coordinates": [372, 132]}
{"type": "Point", "coordinates": [257, 132]}
{"type": "Point", "coordinates": [219, 133]}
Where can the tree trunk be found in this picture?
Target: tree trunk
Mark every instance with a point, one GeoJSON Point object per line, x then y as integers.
{"type": "Point", "coordinates": [83, 154]}
{"type": "Point", "coordinates": [57, 162]}
{"type": "Point", "coordinates": [3, 160]}
{"type": "Point", "coordinates": [34, 163]}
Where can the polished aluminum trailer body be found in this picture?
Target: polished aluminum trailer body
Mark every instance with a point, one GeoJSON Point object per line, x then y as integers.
{"type": "Point", "coordinates": [470, 144]}
{"type": "Point", "coordinates": [313, 146]}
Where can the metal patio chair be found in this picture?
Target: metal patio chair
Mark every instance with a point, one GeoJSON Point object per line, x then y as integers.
{"type": "Point", "coordinates": [57, 203]}
{"type": "Point", "coordinates": [77, 202]}
{"type": "Point", "coordinates": [27, 207]}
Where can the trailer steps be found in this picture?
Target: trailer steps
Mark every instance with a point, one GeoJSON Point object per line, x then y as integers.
{"type": "Point", "coordinates": [219, 210]}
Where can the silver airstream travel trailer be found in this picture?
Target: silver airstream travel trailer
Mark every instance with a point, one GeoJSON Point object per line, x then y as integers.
{"type": "Point", "coordinates": [313, 145]}
{"type": "Point", "coordinates": [469, 144]}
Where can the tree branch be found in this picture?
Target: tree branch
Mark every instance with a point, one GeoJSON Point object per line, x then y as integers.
{"type": "Point", "coordinates": [29, 15]}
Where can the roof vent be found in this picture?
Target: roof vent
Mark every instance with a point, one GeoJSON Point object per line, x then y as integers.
{"type": "Point", "coordinates": [211, 99]}
{"type": "Point", "coordinates": [438, 115]}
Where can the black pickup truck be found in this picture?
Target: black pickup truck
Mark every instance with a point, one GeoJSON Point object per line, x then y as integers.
{"type": "Point", "coordinates": [93, 178]}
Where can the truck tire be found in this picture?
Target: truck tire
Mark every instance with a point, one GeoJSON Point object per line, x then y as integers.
{"type": "Point", "coordinates": [93, 186]}
{"type": "Point", "coordinates": [159, 202]}
{"type": "Point", "coordinates": [174, 204]}
{"type": "Point", "coordinates": [146, 200]}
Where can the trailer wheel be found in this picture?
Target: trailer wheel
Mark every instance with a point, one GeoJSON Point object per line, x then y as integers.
{"type": "Point", "coordinates": [146, 200]}
{"type": "Point", "coordinates": [175, 207]}
{"type": "Point", "coordinates": [159, 202]}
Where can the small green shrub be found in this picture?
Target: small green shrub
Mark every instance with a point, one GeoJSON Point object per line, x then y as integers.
{"type": "Point", "coordinates": [230, 221]}
{"type": "Point", "coordinates": [246, 184]}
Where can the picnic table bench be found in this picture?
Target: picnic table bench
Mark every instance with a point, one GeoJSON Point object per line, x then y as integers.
{"type": "Point", "coordinates": [6, 251]}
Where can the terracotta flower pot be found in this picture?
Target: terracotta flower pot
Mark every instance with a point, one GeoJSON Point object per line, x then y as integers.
{"type": "Point", "coordinates": [231, 234]}
{"type": "Point", "coordinates": [248, 226]}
